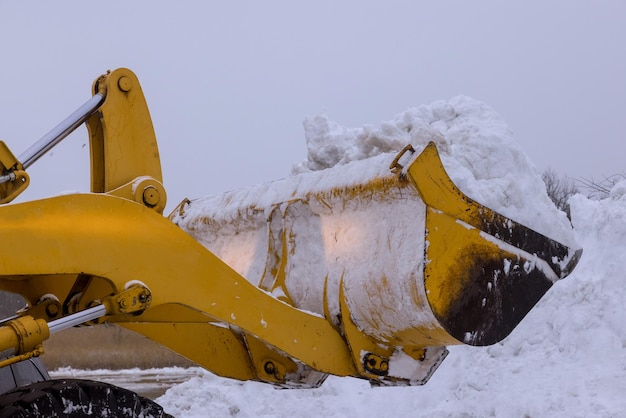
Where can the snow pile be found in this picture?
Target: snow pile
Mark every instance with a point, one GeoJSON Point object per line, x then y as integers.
{"type": "Point", "coordinates": [565, 359]}
{"type": "Point", "coordinates": [477, 148]}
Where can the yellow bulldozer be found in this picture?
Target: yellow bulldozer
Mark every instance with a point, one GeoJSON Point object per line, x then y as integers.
{"type": "Point", "coordinates": [367, 278]}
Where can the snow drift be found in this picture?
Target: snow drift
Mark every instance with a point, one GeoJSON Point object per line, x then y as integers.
{"type": "Point", "coordinates": [565, 359]}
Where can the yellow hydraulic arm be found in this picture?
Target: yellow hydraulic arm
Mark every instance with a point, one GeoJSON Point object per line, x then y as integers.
{"type": "Point", "coordinates": [83, 251]}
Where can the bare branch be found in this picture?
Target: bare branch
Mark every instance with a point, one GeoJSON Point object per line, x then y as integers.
{"type": "Point", "coordinates": [559, 189]}
{"type": "Point", "coordinates": [601, 189]}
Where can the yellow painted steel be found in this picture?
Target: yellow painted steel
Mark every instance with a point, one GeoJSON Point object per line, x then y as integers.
{"type": "Point", "coordinates": [36, 352]}
{"type": "Point", "coordinates": [124, 153]}
{"type": "Point", "coordinates": [23, 335]}
{"type": "Point", "coordinates": [17, 181]}
{"type": "Point", "coordinates": [483, 272]}
{"type": "Point", "coordinates": [120, 241]}
{"type": "Point", "coordinates": [21, 338]}
{"type": "Point", "coordinates": [369, 356]}
{"type": "Point", "coordinates": [214, 347]}
{"type": "Point", "coordinates": [87, 248]}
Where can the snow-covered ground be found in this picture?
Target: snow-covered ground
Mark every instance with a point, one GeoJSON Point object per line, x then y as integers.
{"type": "Point", "coordinates": [566, 359]}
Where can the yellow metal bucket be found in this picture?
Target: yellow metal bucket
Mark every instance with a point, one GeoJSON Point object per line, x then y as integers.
{"type": "Point", "coordinates": [399, 259]}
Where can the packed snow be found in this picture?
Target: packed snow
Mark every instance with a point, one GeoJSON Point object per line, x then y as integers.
{"type": "Point", "coordinates": [565, 359]}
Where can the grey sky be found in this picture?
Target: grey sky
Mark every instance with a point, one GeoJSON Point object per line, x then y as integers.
{"type": "Point", "coordinates": [229, 83]}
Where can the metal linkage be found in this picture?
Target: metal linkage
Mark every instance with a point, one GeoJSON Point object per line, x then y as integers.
{"type": "Point", "coordinates": [21, 337]}
{"type": "Point", "coordinates": [133, 301]}
{"type": "Point", "coordinates": [62, 130]}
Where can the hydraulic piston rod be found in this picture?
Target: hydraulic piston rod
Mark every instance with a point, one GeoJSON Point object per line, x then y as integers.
{"type": "Point", "coordinates": [77, 318]}
{"type": "Point", "coordinates": [21, 338]}
{"type": "Point", "coordinates": [22, 335]}
{"type": "Point", "coordinates": [62, 130]}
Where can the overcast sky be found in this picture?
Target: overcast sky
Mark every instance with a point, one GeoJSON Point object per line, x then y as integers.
{"type": "Point", "coordinates": [229, 83]}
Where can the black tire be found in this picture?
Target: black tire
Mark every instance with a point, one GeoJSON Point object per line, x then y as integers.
{"type": "Point", "coordinates": [76, 398]}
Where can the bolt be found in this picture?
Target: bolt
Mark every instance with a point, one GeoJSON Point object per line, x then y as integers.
{"type": "Point", "coordinates": [269, 368]}
{"type": "Point", "coordinates": [151, 196]}
{"type": "Point", "coordinates": [376, 364]}
{"type": "Point", "coordinates": [52, 310]}
{"type": "Point", "coordinates": [124, 83]}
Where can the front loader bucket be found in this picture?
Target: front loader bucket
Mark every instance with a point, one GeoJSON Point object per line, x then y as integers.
{"type": "Point", "coordinates": [484, 272]}
{"type": "Point", "coordinates": [399, 261]}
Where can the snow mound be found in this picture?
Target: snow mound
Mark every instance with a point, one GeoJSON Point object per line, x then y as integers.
{"type": "Point", "coordinates": [566, 358]}
{"type": "Point", "coordinates": [476, 146]}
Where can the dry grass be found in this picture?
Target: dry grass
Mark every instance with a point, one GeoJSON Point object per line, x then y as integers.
{"type": "Point", "coordinates": [106, 347]}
